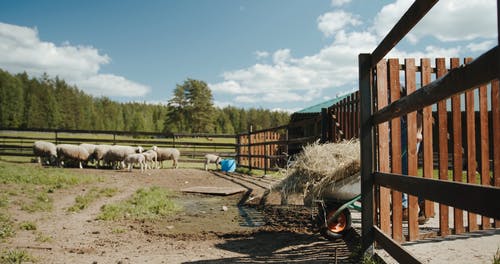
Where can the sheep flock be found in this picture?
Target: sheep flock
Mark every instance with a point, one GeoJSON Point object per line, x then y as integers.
{"type": "Point", "coordinates": [114, 156]}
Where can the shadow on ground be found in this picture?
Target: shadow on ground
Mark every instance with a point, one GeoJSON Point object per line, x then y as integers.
{"type": "Point", "coordinates": [286, 247]}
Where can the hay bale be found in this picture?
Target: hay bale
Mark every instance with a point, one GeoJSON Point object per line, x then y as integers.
{"type": "Point", "coordinates": [319, 167]}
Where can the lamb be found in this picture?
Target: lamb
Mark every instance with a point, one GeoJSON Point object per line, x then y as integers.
{"type": "Point", "coordinates": [99, 152]}
{"type": "Point", "coordinates": [44, 149]}
{"type": "Point", "coordinates": [211, 158]}
{"type": "Point", "coordinates": [152, 158]}
{"type": "Point", "coordinates": [167, 154]}
{"type": "Point", "coordinates": [71, 152]}
{"type": "Point", "coordinates": [135, 158]}
{"type": "Point", "coordinates": [119, 153]}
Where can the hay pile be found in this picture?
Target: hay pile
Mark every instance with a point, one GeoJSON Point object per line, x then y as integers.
{"type": "Point", "coordinates": [319, 166]}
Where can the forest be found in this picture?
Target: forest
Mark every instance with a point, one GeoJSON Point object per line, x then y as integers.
{"type": "Point", "coordinates": [45, 102]}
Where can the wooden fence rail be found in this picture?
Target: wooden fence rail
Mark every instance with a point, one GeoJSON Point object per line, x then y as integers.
{"type": "Point", "coordinates": [193, 147]}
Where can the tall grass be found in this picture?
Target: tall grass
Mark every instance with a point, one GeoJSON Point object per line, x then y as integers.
{"type": "Point", "coordinates": [145, 204]}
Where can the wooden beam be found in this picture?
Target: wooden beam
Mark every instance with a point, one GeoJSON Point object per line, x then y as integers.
{"type": "Point", "coordinates": [412, 16]}
{"type": "Point", "coordinates": [478, 72]}
{"type": "Point", "coordinates": [393, 248]}
{"type": "Point", "coordinates": [471, 197]}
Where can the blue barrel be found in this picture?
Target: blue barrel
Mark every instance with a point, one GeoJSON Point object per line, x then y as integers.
{"type": "Point", "coordinates": [228, 165]}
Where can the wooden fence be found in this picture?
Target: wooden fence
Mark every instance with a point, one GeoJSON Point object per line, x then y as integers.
{"type": "Point", "coordinates": [389, 133]}
{"type": "Point", "coordinates": [264, 149]}
{"type": "Point", "coordinates": [15, 142]}
{"type": "Point", "coordinates": [341, 120]}
{"type": "Point", "coordinates": [270, 149]}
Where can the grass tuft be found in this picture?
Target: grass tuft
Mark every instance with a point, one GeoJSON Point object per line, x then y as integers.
{"type": "Point", "coordinates": [16, 256]}
{"type": "Point", "coordinates": [6, 229]}
{"type": "Point", "coordinates": [41, 203]}
{"type": "Point", "coordinates": [152, 203]}
{"type": "Point", "coordinates": [83, 201]}
{"type": "Point", "coordinates": [4, 200]}
{"type": "Point", "coordinates": [40, 237]}
{"type": "Point", "coordinates": [27, 226]}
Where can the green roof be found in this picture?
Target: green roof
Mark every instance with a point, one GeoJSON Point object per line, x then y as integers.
{"type": "Point", "coordinates": [325, 104]}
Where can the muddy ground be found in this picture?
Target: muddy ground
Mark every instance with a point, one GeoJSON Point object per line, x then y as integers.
{"type": "Point", "coordinates": [249, 231]}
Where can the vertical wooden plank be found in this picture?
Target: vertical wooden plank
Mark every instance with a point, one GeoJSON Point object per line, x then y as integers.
{"type": "Point", "coordinates": [250, 150]}
{"type": "Point", "coordinates": [443, 148]}
{"type": "Point", "coordinates": [383, 147]}
{"type": "Point", "coordinates": [485, 151]}
{"type": "Point", "coordinates": [344, 119]}
{"type": "Point", "coordinates": [411, 86]}
{"type": "Point", "coordinates": [495, 116]}
{"type": "Point", "coordinates": [356, 115]}
{"type": "Point", "coordinates": [471, 147]}
{"type": "Point", "coordinates": [351, 115]}
{"type": "Point", "coordinates": [339, 120]}
{"type": "Point", "coordinates": [367, 153]}
{"type": "Point", "coordinates": [457, 150]}
{"type": "Point", "coordinates": [397, 208]}
{"type": "Point", "coordinates": [334, 124]}
{"type": "Point", "coordinates": [426, 144]}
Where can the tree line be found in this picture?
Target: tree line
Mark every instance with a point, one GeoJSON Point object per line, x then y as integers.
{"type": "Point", "coordinates": [45, 102]}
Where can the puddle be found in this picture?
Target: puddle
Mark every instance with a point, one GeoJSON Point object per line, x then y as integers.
{"type": "Point", "coordinates": [201, 204]}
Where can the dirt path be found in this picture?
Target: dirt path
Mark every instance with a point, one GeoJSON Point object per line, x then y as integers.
{"type": "Point", "coordinates": [201, 233]}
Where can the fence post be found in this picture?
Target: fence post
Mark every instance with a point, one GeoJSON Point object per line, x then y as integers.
{"type": "Point", "coordinates": [56, 139]}
{"type": "Point", "coordinates": [365, 84]}
{"type": "Point", "coordinates": [265, 153]}
{"type": "Point", "coordinates": [238, 148]}
{"type": "Point", "coordinates": [250, 149]}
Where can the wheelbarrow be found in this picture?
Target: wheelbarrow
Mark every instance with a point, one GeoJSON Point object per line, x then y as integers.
{"type": "Point", "coordinates": [334, 217]}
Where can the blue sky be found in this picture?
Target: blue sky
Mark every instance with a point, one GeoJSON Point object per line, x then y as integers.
{"type": "Point", "coordinates": [271, 54]}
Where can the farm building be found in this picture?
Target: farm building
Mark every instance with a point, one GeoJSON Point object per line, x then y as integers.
{"type": "Point", "coordinates": [307, 123]}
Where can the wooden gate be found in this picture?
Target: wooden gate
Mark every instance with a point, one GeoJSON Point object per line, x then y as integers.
{"type": "Point", "coordinates": [389, 158]}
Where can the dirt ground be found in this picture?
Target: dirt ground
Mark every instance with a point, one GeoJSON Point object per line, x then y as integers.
{"type": "Point", "coordinates": [202, 233]}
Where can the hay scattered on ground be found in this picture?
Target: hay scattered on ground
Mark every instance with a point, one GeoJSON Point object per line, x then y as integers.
{"type": "Point", "coordinates": [319, 166]}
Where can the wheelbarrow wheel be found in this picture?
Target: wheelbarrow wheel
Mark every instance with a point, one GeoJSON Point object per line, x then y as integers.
{"type": "Point", "coordinates": [336, 228]}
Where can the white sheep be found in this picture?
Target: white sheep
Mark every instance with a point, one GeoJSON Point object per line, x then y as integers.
{"type": "Point", "coordinates": [167, 154]}
{"type": "Point", "coordinates": [99, 152]}
{"type": "Point", "coordinates": [152, 158]}
{"type": "Point", "coordinates": [44, 149]}
{"type": "Point", "coordinates": [211, 158]}
{"type": "Point", "coordinates": [71, 152]}
{"type": "Point", "coordinates": [119, 153]}
{"type": "Point", "coordinates": [91, 149]}
{"type": "Point", "coordinates": [135, 158]}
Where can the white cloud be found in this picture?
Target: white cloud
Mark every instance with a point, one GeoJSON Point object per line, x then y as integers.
{"type": "Point", "coordinates": [108, 84]}
{"type": "Point", "coordinates": [22, 50]}
{"type": "Point", "coordinates": [333, 70]}
{"type": "Point", "coordinates": [261, 54]}
{"type": "Point", "coordinates": [340, 2]}
{"type": "Point", "coordinates": [282, 56]}
{"type": "Point", "coordinates": [291, 79]}
{"type": "Point", "coordinates": [481, 46]}
{"type": "Point", "coordinates": [330, 23]}
{"type": "Point", "coordinates": [448, 20]}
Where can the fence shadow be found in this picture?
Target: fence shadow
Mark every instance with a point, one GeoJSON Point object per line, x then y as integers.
{"type": "Point", "coordinates": [287, 247]}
